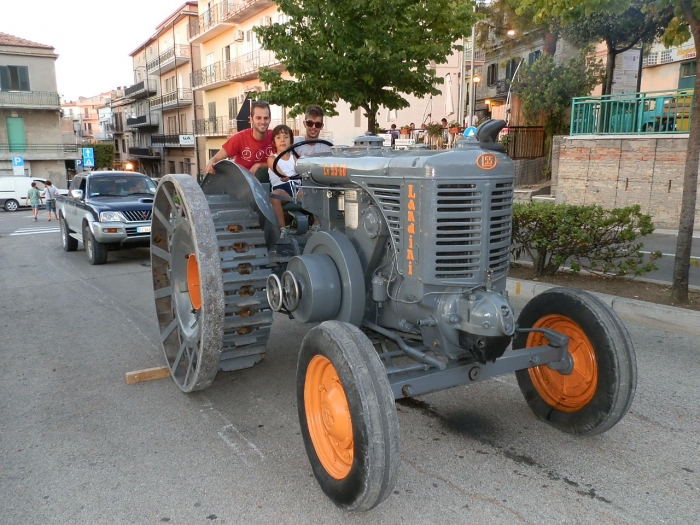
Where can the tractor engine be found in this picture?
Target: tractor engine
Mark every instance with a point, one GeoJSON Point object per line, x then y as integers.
{"type": "Point", "coordinates": [414, 242]}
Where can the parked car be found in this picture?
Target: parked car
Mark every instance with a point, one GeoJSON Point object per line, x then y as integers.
{"type": "Point", "coordinates": [13, 191]}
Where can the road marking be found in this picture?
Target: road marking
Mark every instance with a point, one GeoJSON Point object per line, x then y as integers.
{"type": "Point", "coordinates": [229, 434]}
{"type": "Point", "coordinates": [32, 231]}
{"type": "Point", "coordinates": [670, 255]}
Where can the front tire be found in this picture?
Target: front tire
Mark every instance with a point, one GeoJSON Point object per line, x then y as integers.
{"type": "Point", "coordinates": [96, 251]}
{"type": "Point", "coordinates": [347, 415]}
{"type": "Point", "coordinates": [69, 243]}
{"type": "Point", "coordinates": [599, 390]}
{"type": "Point", "coordinates": [11, 205]}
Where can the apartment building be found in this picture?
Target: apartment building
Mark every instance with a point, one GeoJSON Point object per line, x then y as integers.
{"type": "Point", "coordinates": [87, 120]}
{"type": "Point", "coordinates": [669, 68]}
{"type": "Point", "coordinates": [30, 122]}
{"type": "Point", "coordinates": [153, 118]}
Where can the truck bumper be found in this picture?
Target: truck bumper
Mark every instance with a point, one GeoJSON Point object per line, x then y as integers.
{"type": "Point", "coordinates": [122, 233]}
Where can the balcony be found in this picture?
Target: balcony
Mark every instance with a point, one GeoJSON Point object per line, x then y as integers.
{"type": "Point", "coordinates": [222, 16]}
{"type": "Point", "coordinates": [173, 141]}
{"type": "Point", "coordinates": [214, 127]}
{"type": "Point", "coordinates": [245, 67]}
{"type": "Point", "coordinates": [103, 136]}
{"type": "Point", "coordinates": [40, 151]}
{"type": "Point", "coordinates": [169, 60]}
{"type": "Point", "coordinates": [143, 153]}
{"type": "Point", "coordinates": [479, 57]}
{"type": "Point", "coordinates": [143, 121]}
{"type": "Point", "coordinates": [143, 89]}
{"type": "Point", "coordinates": [177, 98]}
{"type": "Point", "coordinates": [30, 100]}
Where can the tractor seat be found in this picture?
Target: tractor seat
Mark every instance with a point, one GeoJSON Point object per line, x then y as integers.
{"type": "Point", "coordinates": [263, 177]}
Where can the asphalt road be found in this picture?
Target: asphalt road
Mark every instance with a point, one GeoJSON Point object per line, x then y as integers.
{"type": "Point", "coordinates": [666, 244]}
{"type": "Point", "coordinates": [79, 445]}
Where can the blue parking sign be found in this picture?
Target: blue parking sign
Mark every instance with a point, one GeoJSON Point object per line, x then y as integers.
{"type": "Point", "coordinates": [17, 165]}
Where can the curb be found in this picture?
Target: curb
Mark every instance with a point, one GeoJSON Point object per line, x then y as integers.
{"type": "Point", "coordinates": [649, 314]}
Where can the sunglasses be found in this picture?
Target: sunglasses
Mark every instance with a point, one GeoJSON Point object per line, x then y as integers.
{"type": "Point", "coordinates": [311, 124]}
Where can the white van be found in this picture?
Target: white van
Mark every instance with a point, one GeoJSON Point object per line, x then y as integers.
{"type": "Point", "coordinates": [13, 191]}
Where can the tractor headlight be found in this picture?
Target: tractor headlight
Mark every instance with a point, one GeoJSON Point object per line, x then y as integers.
{"type": "Point", "coordinates": [111, 216]}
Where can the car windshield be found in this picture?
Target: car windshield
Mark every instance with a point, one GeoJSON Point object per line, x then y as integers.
{"type": "Point", "coordinates": [121, 186]}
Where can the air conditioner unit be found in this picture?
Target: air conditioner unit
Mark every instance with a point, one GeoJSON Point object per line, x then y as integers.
{"type": "Point", "coordinates": [238, 35]}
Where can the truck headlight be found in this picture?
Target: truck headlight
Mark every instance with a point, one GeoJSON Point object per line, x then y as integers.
{"type": "Point", "coordinates": [111, 216]}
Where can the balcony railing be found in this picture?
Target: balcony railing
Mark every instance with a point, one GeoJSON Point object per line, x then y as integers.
{"type": "Point", "coordinates": [143, 89]}
{"type": "Point", "coordinates": [143, 152]}
{"type": "Point", "coordinates": [214, 127]}
{"type": "Point", "coordinates": [182, 140]}
{"type": "Point", "coordinates": [179, 97]}
{"type": "Point", "coordinates": [103, 136]}
{"type": "Point", "coordinates": [40, 151]}
{"type": "Point", "coordinates": [143, 121]}
{"type": "Point", "coordinates": [29, 99]}
{"type": "Point", "coordinates": [633, 113]}
{"type": "Point", "coordinates": [479, 56]}
{"type": "Point", "coordinates": [223, 15]}
{"type": "Point", "coordinates": [245, 67]}
{"type": "Point", "coordinates": [171, 58]}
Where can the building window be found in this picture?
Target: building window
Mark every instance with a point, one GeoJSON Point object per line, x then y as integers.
{"type": "Point", "coordinates": [491, 74]}
{"type": "Point", "coordinates": [511, 67]}
{"type": "Point", "coordinates": [212, 110]}
{"type": "Point", "coordinates": [232, 108]}
{"type": "Point", "coordinates": [688, 69]}
{"type": "Point", "coordinates": [534, 56]}
{"type": "Point", "coordinates": [183, 123]}
{"type": "Point", "coordinates": [171, 166]}
{"type": "Point", "coordinates": [14, 78]}
{"type": "Point", "coordinates": [666, 56]}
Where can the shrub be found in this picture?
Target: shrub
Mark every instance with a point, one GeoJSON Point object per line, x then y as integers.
{"type": "Point", "coordinates": [601, 241]}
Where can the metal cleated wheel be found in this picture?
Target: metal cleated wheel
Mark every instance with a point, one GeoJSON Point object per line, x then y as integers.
{"type": "Point", "coordinates": [347, 416]}
{"type": "Point", "coordinates": [598, 390]}
{"type": "Point", "coordinates": [209, 267]}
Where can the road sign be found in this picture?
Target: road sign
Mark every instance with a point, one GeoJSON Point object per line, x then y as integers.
{"type": "Point", "coordinates": [78, 163]}
{"type": "Point", "coordinates": [17, 165]}
{"type": "Point", "coordinates": [470, 131]}
{"type": "Point", "coordinates": [88, 157]}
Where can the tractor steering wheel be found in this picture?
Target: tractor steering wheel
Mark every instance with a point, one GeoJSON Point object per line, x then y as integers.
{"type": "Point", "coordinates": [292, 148]}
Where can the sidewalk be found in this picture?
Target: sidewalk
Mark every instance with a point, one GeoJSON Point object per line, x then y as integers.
{"type": "Point", "coordinates": [650, 314]}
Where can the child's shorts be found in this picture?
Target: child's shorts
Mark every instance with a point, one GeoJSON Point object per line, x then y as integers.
{"type": "Point", "coordinates": [291, 187]}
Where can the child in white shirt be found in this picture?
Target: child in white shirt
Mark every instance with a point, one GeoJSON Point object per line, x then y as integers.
{"type": "Point", "coordinates": [282, 138]}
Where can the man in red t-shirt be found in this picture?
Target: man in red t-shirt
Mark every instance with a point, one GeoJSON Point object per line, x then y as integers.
{"type": "Point", "coordinates": [249, 148]}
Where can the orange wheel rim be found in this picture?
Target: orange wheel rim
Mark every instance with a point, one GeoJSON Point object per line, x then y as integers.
{"type": "Point", "coordinates": [570, 392]}
{"type": "Point", "coordinates": [193, 287]}
{"type": "Point", "coordinates": [328, 417]}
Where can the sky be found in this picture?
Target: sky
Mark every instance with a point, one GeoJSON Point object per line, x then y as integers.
{"type": "Point", "coordinates": [93, 38]}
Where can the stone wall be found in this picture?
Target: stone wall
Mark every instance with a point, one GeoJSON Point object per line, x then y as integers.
{"type": "Point", "coordinates": [619, 172]}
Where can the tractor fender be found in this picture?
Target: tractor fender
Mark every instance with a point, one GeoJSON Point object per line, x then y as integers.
{"type": "Point", "coordinates": [236, 181]}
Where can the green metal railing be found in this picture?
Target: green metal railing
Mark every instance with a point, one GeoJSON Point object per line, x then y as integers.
{"type": "Point", "coordinates": [632, 113]}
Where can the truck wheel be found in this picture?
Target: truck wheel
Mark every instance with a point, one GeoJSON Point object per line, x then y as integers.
{"type": "Point", "coordinates": [11, 205]}
{"type": "Point", "coordinates": [96, 251]}
{"type": "Point", "coordinates": [599, 390]}
{"type": "Point", "coordinates": [347, 416]}
{"type": "Point", "coordinates": [70, 244]}
{"type": "Point", "coordinates": [209, 268]}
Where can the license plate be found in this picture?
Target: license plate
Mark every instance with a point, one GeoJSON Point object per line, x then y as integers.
{"type": "Point", "coordinates": [143, 229]}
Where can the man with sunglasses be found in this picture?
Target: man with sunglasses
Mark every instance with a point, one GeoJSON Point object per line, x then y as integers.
{"type": "Point", "coordinates": [313, 123]}
{"type": "Point", "coordinates": [251, 147]}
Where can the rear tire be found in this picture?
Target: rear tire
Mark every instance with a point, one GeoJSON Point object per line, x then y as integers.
{"type": "Point", "coordinates": [347, 416]}
{"type": "Point", "coordinates": [96, 251]}
{"type": "Point", "coordinates": [11, 205]}
{"type": "Point", "coordinates": [70, 244]}
{"type": "Point", "coordinates": [600, 389]}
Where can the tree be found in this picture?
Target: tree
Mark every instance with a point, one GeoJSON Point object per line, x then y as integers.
{"type": "Point", "coordinates": [504, 15]}
{"type": "Point", "coordinates": [366, 52]}
{"type": "Point", "coordinates": [104, 155]}
{"type": "Point", "coordinates": [641, 23]}
{"type": "Point", "coordinates": [546, 89]}
{"type": "Point", "coordinates": [685, 22]}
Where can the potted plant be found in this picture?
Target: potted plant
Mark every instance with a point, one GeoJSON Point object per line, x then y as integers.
{"type": "Point", "coordinates": [434, 130]}
{"type": "Point", "coordinates": [454, 127]}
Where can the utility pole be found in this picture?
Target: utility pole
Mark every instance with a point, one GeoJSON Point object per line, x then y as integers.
{"type": "Point", "coordinates": [472, 98]}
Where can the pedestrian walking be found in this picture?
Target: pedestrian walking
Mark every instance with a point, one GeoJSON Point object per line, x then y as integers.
{"type": "Point", "coordinates": [34, 200]}
{"type": "Point", "coordinates": [50, 194]}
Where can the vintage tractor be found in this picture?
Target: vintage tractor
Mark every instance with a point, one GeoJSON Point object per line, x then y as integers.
{"type": "Point", "coordinates": [406, 285]}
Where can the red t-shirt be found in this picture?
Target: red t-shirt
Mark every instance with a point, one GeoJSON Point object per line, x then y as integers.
{"type": "Point", "coordinates": [246, 151]}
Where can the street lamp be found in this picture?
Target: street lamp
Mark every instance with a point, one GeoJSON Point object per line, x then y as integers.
{"type": "Point", "coordinates": [472, 97]}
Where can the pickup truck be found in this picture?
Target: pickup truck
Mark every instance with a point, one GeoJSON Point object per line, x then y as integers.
{"type": "Point", "coordinates": [106, 210]}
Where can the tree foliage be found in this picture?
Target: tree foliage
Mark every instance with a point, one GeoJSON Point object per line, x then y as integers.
{"type": "Point", "coordinates": [546, 89]}
{"type": "Point", "coordinates": [642, 22]}
{"type": "Point", "coordinates": [104, 155]}
{"type": "Point", "coordinates": [365, 52]}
